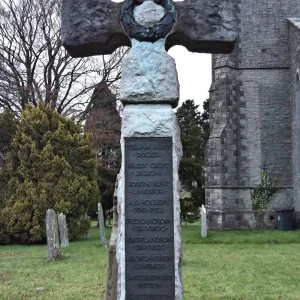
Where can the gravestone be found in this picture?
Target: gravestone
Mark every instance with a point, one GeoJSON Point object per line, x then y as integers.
{"type": "Point", "coordinates": [101, 225]}
{"type": "Point", "coordinates": [149, 234]}
{"type": "Point", "coordinates": [52, 235]}
{"type": "Point", "coordinates": [203, 221]}
{"type": "Point", "coordinates": [63, 230]}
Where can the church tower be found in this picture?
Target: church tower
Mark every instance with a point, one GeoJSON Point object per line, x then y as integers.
{"type": "Point", "coordinates": [252, 117]}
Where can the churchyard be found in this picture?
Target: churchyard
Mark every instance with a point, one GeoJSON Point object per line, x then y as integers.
{"type": "Point", "coordinates": [226, 265]}
{"type": "Point", "coordinates": [75, 123]}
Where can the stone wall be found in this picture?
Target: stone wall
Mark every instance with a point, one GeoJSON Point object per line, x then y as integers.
{"type": "Point", "coordinates": [294, 46]}
{"type": "Point", "coordinates": [251, 128]}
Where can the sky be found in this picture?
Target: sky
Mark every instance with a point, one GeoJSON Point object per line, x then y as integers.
{"type": "Point", "coordinates": [194, 73]}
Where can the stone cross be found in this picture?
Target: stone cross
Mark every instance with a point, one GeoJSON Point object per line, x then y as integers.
{"type": "Point", "coordinates": [149, 232]}
{"type": "Point", "coordinates": [63, 230]}
{"type": "Point", "coordinates": [91, 27]}
{"type": "Point", "coordinates": [203, 221]}
{"type": "Point", "coordinates": [52, 235]}
{"type": "Point", "coordinates": [101, 225]}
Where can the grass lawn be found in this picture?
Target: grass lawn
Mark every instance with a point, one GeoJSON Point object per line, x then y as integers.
{"type": "Point", "coordinates": [226, 265]}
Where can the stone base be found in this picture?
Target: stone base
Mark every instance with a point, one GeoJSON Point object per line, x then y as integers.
{"type": "Point", "coordinates": [218, 220]}
{"type": "Point", "coordinates": [112, 274]}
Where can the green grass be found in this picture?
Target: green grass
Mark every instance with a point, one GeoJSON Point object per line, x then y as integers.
{"type": "Point", "coordinates": [225, 265]}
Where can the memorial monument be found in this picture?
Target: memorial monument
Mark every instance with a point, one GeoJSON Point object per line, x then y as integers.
{"type": "Point", "coordinates": [149, 243]}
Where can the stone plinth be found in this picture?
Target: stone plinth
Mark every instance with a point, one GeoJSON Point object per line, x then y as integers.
{"type": "Point", "coordinates": [93, 27]}
{"type": "Point", "coordinates": [151, 121]}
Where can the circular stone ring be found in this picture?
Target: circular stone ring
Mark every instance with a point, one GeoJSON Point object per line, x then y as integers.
{"type": "Point", "coordinates": [152, 33]}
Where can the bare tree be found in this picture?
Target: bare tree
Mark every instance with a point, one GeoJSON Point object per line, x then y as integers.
{"type": "Point", "coordinates": [104, 122]}
{"type": "Point", "coordinates": [35, 67]}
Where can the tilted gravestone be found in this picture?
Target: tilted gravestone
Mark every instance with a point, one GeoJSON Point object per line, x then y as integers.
{"type": "Point", "coordinates": [63, 230]}
{"type": "Point", "coordinates": [101, 225]}
{"type": "Point", "coordinates": [149, 249]}
{"type": "Point", "coordinates": [54, 252]}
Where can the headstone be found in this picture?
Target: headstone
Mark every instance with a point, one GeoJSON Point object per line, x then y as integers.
{"type": "Point", "coordinates": [101, 225]}
{"type": "Point", "coordinates": [149, 232]}
{"type": "Point", "coordinates": [63, 230]}
{"type": "Point", "coordinates": [203, 221]}
{"type": "Point", "coordinates": [52, 235]}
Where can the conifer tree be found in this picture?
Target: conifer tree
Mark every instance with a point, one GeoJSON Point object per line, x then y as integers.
{"type": "Point", "coordinates": [51, 165]}
{"type": "Point", "coordinates": [8, 125]}
{"type": "Point", "coordinates": [194, 134]}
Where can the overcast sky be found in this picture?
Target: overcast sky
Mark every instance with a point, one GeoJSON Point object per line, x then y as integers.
{"type": "Point", "coordinates": [194, 72]}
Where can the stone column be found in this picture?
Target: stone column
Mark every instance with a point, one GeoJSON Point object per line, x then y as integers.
{"type": "Point", "coordinates": [52, 235]}
{"type": "Point", "coordinates": [149, 89]}
{"type": "Point", "coordinates": [101, 225]}
{"type": "Point", "coordinates": [63, 230]}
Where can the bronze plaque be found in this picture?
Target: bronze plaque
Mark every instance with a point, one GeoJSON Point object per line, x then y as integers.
{"type": "Point", "coordinates": [149, 227]}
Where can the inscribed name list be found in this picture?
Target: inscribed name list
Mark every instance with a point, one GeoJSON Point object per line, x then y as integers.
{"type": "Point", "coordinates": [149, 225]}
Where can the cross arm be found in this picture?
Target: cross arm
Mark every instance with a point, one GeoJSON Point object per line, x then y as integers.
{"type": "Point", "coordinates": [92, 27]}
{"type": "Point", "coordinates": [205, 26]}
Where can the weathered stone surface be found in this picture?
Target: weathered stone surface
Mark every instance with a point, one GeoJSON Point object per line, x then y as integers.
{"type": "Point", "coordinates": [112, 266]}
{"type": "Point", "coordinates": [251, 114]}
{"type": "Point", "coordinates": [93, 28]}
{"type": "Point", "coordinates": [150, 121]}
{"type": "Point", "coordinates": [63, 230]}
{"type": "Point", "coordinates": [112, 272]}
{"type": "Point", "coordinates": [52, 235]}
{"type": "Point", "coordinates": [149, 75]}
{"type": "Point", "coordinates": [148, 13]}
{"type": "Point", "coordinates": [101, 225]}
{"type": "Point", "coordinates": [205, 26]}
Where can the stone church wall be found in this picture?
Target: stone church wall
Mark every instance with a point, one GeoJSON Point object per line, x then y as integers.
{"type": "Point", "coordinates": [251, 125]}
{"type": "Point", "coordinates": [294, 47]}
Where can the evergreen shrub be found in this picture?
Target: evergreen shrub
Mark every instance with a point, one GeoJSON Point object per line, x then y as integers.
{"type": "Point", "coordinates": [51, 165]}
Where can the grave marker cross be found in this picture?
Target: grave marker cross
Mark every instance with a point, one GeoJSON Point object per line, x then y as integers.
{"type": "Point", "coordinates": [93, 27]}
